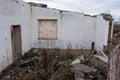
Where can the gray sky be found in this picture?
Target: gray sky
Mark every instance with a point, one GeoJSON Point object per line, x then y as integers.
{"type": "Point", "coordinates": [85, 6]}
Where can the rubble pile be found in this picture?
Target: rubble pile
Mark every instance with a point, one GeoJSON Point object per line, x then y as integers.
{"type": "Point", "coordinates": [42, 64]}
{"type": "Point", "coordinates": [86, 68]}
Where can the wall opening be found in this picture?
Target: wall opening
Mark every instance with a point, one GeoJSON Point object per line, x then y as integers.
{"type": "Point", "coordinates": [16, 42]}
{"type": "Point", "coordinates": [47, 29]}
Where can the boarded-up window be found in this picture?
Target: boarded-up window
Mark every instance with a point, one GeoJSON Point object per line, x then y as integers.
{"type": "Point", "coordinates": [47, 29]}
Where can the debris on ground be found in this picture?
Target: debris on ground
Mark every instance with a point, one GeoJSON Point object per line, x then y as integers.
{"type": "Point", "coordinates": [42, 64]}
{"type": "Point", "coordinates": [84, 71]}
{"type": "Point", "coordinates": [101, 62]}
{"type": "Point", "coordinates": [85, 68]}
{"type": "Point", "coordinates": [46, 64]}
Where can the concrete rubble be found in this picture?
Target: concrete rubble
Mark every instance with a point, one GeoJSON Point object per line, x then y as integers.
{"type": "Point", "coordinates": [84, 71]}
{"type": "Point", "coordinates": [101, 62]}
{"type": "Point", "coordinates": [41, 64]}
{"type": "Point", "coordinates": [88, 68]}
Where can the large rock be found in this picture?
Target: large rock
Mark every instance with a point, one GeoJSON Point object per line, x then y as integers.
{"type": "Point", "coordinates": [84, 71]}
{"type": "Point", "coordinates": [101, 62]}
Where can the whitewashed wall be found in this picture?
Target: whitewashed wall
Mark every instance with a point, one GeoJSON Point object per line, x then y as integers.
{"type": "Point", "coordinates": [13, 13]}
{"type": "Point", "coordinates": [75, 30]}
{"type": "Point", "coordinates": [102, 28]}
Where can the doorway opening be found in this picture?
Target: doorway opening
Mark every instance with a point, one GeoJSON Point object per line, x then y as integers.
{"type": "Point", "coordinates": [16, 42]}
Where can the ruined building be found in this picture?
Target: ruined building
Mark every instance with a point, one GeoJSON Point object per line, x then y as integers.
{"type": "Point", "coordinates": [29, 25]}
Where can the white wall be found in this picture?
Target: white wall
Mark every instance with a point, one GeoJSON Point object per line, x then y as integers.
{"type": "Point", "coordinates": [42, 13]}
{"type": "Point", "coordinates": [74, 29]}
{"type": "Point", "coordinates": [102, 28]}
{"type": "Point", "coordinates": [77, 29]}
{"type": "Point", "coordinates": [13, 13]}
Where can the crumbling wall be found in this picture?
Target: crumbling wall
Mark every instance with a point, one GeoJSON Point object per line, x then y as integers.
{"type": "Point", "coordinates": [75, 30]}
{"type": "Point", "coordinates": [108, 17]}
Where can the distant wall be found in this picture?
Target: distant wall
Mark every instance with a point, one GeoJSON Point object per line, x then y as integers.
{"type": "Point", "coordinates": [102, 29]}
{"type": "Point", "coordinates": [75, 30]}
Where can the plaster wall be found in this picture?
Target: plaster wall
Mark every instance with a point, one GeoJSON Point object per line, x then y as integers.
{"type": "Point", "coordinates": [13, 12]}
{"type": "Point", "coordinates": [75, 30]}
{"type": "Point", "coordinates": [102, 28]}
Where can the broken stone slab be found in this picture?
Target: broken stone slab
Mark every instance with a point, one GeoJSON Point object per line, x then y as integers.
{"type": "Point", "coordinates": [84, 68]}
{"type": "Point", "coordinates": [83, 71]}
{"type": "Point", "coordinates": [80, 58]}
{"type": "Point", "coordinates": [102, 58]}
{"type": "Point", "coordinates": [101, 62]}
{"type": "Point", "coordinates": [101, 55]}
{"type": "Point", "coordinates": [77, 60]}
{"type": "Point", "coordinates": [29, 62]}
{"type": "Point", "coordinates": [36, 51]}
{"type": "Point", "coordinates": [101, 65]}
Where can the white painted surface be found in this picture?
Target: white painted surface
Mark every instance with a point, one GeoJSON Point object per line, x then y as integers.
{"type": "Point", "coordinates": [102, 28]}
{"type": "Point", "coordinates": [12, 13]}
{"type": "Point", "coordinates": [75, 30]}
